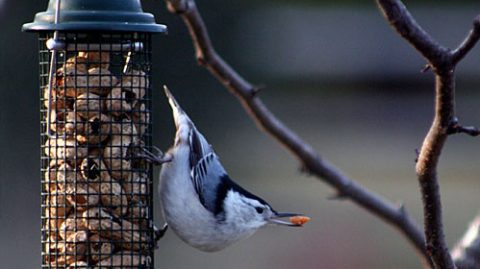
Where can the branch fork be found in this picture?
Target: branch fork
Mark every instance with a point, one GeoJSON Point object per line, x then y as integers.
{"type": "Point", "coordinates": [443, 62]}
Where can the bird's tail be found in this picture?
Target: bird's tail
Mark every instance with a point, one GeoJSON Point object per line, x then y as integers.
{"type": "Point", "coordinates": [186, 130]}
{"type": "Point", "coordinates": [173, 102]}
{"type": "Point", "coordinates": [182, 121]}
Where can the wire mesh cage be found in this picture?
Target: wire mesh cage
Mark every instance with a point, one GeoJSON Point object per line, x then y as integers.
{"type": "Point", "coordinates": [95, 93]}
{"type": "Point", "coordinates": [96, 188]}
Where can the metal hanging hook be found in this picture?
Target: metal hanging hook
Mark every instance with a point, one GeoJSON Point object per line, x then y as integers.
{"type": "Point", "coordinates": [136, 46]}
{"type": "Point", "coordinates": [53, 45]}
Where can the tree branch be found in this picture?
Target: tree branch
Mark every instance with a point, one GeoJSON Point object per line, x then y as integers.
{"type": "Point", "coordinates": [468, 43]}
{"type": "Point", "coordinates": [466, 253]}
{"type": "Point", "coordinates": [266, 120]}
{"type": "Point", "coordinates": [401, 20]}
{"type": "Point", "coordinates": [427, 172]}
{"type": "Point", "coordinates": [456, 128]}
{"type": "Point", "coordinates": [443, 62]}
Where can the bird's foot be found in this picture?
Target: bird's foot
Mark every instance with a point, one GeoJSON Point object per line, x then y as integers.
{"type": "Point", "coordinates": [156, 158]}
{"type": "Point", "coordinates": [159, 233]}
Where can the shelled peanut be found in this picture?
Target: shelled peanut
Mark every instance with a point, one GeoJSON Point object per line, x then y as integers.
{"type": "Point", "coordinates": [95, 188]}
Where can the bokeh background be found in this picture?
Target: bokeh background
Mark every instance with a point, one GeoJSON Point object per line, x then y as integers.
{"type": "Point", "coordinates": [333, 71]}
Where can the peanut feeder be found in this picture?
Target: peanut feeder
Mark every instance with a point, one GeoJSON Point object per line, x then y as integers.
{"type": "Point", "coordinates": [95, 91]}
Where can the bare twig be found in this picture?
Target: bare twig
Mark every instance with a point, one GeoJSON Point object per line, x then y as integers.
{"type": "Point", "coordinates": [466, 253]}
{"type": "Point", "coordinates": [266, 120]}
{"type": "Point", "coordinates": [443, 62]}
{"type": "Point", "coordinates": [456, 128]}
{"type": "Point", "coordinates": [468, 43]}
{"type": "Point", "coordinates": [470, 130]}
{"type": "Point", "coordinates": [400, 19]}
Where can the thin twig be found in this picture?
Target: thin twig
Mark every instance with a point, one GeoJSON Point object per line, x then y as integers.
{"type": "Point", "coordinates": [443, 62]}
{"type": "Point", "coordinates": [266, 120]}
{"type": "Point", "coordinates": [466, 253]}
{"type": "Point", "coordinates": [400, 18]}
{"type": "Point", "coordinates": [456, 128]}
{"type": "Point", "coordinates": [468, 43]}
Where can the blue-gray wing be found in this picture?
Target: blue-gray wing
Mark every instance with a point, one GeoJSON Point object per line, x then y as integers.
{"type": "Point", "coordinates": [207, 172]}
{"type": "Point", "coordinates": [208, 176]}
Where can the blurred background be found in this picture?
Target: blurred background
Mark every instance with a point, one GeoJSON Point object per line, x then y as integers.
{"type": "Point", "coordinates": [333, 71]}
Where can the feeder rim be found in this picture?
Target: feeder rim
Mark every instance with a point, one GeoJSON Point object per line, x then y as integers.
{"type": "Point", "coordinates": [95, 27]}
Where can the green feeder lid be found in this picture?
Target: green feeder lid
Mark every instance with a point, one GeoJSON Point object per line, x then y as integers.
{"type": "Point", "coordinates": [96, 15]}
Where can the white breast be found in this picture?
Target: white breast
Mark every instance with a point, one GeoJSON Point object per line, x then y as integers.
{"type": "Point", "coordinates": [182, 209]}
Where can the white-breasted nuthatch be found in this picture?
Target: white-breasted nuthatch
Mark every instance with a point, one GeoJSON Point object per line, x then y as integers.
{"type": "Point", "coordinates": [200, 202]}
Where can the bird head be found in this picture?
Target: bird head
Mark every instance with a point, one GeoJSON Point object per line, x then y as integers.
{"type": "Point", "coordinates": [250, 213]}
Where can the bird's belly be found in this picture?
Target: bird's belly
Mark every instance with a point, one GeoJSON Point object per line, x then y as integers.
{"type": "Point", "coordinates": [184, 213]}
{"type": "Point", "coordinates": [188, 218]}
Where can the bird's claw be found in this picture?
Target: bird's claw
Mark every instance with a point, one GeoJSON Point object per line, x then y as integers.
{"type": "Point", "coordinates": [159, 233]}
{"type": "Point", "coordinates": [156, 158]}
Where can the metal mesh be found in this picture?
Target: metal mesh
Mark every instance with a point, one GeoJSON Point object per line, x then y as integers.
{"type": "Point", "coordinates": [96, 191]}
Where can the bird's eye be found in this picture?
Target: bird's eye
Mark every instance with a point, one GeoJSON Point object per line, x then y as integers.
{"type": "Point", "coordinates": [259, 210]}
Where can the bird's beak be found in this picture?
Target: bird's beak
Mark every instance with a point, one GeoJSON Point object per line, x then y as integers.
{"type": "Point", "coordinates": [289, 219]}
